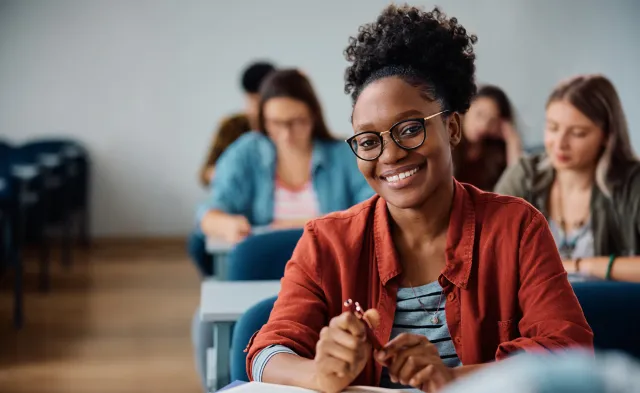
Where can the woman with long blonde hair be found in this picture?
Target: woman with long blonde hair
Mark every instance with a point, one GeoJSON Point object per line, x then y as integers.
{"type": "Point", "coordinates": [587, 182]}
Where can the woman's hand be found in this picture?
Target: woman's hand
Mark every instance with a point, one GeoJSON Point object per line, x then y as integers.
{"type": "Point", "coordinates": [512, 139]}
{"type": "Point", "coordinates": [341, 353]}
{"type": "Point", "coordinates": [508, 131]}
{"type": "Point", "coordinates": [413, 360]}
{"type": "Point", "coordinates": [231, 228]}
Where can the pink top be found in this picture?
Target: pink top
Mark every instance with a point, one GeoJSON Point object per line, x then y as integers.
{"type": "Point", "coordinates": [295, 204]}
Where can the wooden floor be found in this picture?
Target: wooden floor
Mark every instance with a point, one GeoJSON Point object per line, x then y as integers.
{"type": "Point", "coordinates": [118, 321]}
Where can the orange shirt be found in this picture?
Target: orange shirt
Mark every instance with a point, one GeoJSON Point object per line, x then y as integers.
{"type": "Point", "coordinates": [505, 285]}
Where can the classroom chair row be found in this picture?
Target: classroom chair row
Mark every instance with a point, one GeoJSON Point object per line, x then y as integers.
{"type": "Point", "coordinates": [44, 188]}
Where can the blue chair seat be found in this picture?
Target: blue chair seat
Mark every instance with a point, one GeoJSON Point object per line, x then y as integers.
{"type": "Point", "coordinates": [250, 322]}
{"type": "Point", "coordinates": [610, 309]}
{"type": "Point", "coordinates": [263, 256]}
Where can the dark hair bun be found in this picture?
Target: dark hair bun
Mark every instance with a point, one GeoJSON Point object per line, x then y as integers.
{"type": "Point", "coordinates": [433, 46]}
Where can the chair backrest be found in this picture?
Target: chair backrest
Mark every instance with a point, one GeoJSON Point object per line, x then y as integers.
{"type": "Point", "coordinates": [262, 256]}
{"type": "Point", "coordinates": [611, 310]}
{"type": "Point", "coordinates": [248, 324]}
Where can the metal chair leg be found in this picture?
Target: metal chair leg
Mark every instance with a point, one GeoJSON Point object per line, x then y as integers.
{"type": "Point", "coordinates": [44, 273]}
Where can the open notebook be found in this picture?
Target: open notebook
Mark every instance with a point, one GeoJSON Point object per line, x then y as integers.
{"type": "Point", "coordinates": [259, 387]}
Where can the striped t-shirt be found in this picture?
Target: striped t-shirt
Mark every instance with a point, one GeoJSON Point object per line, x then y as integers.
{"type": "Point", "coordinates": [409, 318]}
{"type": "Point", "coordinates": [295, 204]}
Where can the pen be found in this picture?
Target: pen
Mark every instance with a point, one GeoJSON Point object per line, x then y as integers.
{"type": "Point", "coordinates": [358, 311]}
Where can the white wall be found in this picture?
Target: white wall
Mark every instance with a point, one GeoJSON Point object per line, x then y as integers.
{"type": "Point", "coordinates": [142, 83]}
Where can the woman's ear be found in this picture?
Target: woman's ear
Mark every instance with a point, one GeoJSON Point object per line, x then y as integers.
{"type": "Point", "coordinates": [454, 128]}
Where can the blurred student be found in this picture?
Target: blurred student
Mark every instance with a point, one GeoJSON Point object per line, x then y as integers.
{"type": "Point", "coordinates": [587, 183]}
{"type": "Point", "coordinates": [232, 127]}
{"type": "Point", "coordinates": [490, 140]}
{"type": "Point", "coordinates": [289, 172]}
{"type": "Point", "coordinates": [453, 278]}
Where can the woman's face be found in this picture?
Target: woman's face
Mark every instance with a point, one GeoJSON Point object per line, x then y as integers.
{"type": "Point", "coordinates": [381, 105]}
{"type": "Point", "coordinates": [288, 122]}
{"type": "Point", "coordinates": [571, 139]}
{"type": "Point", "coordinates": [482, 120]}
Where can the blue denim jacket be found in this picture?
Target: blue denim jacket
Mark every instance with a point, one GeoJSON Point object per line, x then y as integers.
{"type": "Point", "coordinates": [244, 179]}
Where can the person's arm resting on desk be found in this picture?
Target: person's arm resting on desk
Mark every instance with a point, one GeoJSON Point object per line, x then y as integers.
{"type": "Point", "coordinates": [623, 268]}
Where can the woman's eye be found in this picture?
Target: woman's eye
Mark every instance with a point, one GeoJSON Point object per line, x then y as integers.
{"type": "Point", "coordinates": [367, 142]}
{"type": "Point", "coordinates": [410, 129]}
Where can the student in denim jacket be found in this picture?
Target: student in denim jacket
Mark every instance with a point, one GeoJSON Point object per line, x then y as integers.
{"type": "Point", "coordinates": [288, 172]}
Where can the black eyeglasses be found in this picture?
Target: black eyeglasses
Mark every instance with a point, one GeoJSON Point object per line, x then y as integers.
{"type": "Point", "coordinates": [407, 134]}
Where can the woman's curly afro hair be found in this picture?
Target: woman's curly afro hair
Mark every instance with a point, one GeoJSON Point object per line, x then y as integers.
{"type": "Point", "coordinates": [426, 49]}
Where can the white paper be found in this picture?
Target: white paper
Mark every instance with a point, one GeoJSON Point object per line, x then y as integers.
{"type": "Point", "coordinates": [259, 387]}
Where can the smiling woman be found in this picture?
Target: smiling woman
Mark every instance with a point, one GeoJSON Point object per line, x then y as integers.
{"type": "Point", "coordinates": [423, 245]}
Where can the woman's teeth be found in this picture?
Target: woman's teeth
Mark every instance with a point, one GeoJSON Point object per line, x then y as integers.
{"type": "Point", "coordinates": [400, 176]}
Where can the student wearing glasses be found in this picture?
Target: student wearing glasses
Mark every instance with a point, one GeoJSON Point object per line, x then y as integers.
{"type": "Point", "coordinates": [587, 182]}
{"type": "Point", "coordinates": [452, 277]}
{"type": "Point", "coordinates": [288, 171]}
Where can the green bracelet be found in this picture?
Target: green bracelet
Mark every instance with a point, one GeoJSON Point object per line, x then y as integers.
{"type": "Point", "coordinates": [607, 275]}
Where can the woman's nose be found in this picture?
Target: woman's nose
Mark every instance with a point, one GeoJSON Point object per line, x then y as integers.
{"type": "Point", "coordinates": [391, 152]}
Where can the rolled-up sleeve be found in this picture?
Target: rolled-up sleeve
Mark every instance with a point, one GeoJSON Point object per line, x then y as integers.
{"type": "Point", "coordinates": [300, 311]}
{"type": "Point", "coordinates": [263, 357]}
{"type": "Point", "coordinates": [552, 318]}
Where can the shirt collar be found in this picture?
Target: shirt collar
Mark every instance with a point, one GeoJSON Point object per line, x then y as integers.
{"type": "Point", "coordinates": [460, 240]}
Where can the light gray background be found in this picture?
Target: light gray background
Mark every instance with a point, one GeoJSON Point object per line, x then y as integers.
{"type": "Point", "coordinates": [143, 83]}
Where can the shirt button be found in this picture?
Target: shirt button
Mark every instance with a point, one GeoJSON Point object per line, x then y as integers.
{"type": "Point", "coordinates": [458, 340]}
{"type": "Point", "coordinates": [451, 297]}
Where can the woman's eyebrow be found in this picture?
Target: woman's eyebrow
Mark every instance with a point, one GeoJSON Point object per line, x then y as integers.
{"type": "Point", "coordinates": [396, 118]}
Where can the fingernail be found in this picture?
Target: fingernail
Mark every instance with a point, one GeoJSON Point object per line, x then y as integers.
{"type": "Point", "coordinates": [381, 354]}
{"type": "Point", "coordinates": [412, 382]}
{"type": "Point", "coordinates": [393, 379]}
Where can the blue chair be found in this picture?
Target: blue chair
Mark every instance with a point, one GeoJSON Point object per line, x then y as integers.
{"type": "Point", "coordinates": [250, 322]}
{"type": "Point", "coordinates": [259, 257]}
{"type": "Point", "coordinates": [65, 171]}
{"type": "Point", "coordinates": [19, 188]}
{"type": "Point", "coordinates": [9, 253]}
{"type": "Point", "coordinates": [263, 256]}
{"type": "Point", "coordinates": [609, 307]}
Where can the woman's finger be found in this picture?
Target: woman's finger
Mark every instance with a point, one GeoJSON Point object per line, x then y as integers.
{"type": "Point", "coordinates": [400, 343]}
{"type": "Point", "coordinates": [335, 350]}
{"type": "Point", "coordinates": [398, 362]}
{"type": "Point", "coordinates": [346, 339]}
{"type": "Point", "coordinates": [332, 365]}
{"type": "Point", "coordinates": [422, 377]}
{"type": "Point", "coordinates": [405, 340]}
{"type": "Point", "coordinates": [349, 323]}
